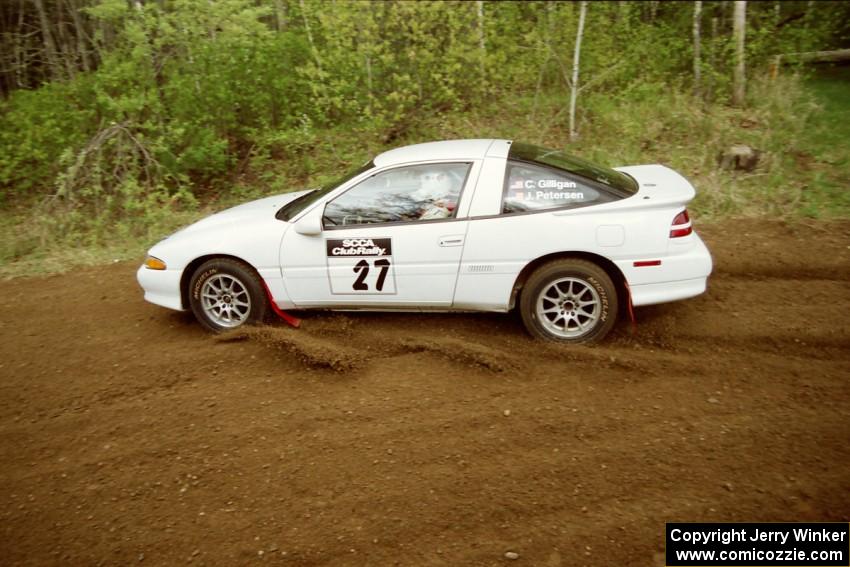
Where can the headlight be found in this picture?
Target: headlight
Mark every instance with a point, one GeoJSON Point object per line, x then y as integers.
{"type": "Point", "coordinates": [152, 263]}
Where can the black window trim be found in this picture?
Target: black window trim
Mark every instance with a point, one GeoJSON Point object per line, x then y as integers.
{"type": "Point", "coordinates": [327, 190]}
{"type": "Point", "coordinates": [469, 163]}
{"type": "Point", "coordinates": [601, 187]}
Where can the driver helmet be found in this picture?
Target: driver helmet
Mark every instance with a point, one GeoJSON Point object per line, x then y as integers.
{"type": "Point", "coordinates": [433, 184]}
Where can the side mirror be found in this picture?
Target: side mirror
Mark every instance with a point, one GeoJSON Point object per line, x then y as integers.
{"type": "Point", "coordinates": [311, 223]}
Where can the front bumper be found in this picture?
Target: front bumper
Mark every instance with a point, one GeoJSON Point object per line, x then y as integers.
{"type": "Point", "coordinates": [161, 287]}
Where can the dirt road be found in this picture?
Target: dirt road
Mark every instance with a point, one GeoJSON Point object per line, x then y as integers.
{"type": "Point", "coordinates": [130, 436]}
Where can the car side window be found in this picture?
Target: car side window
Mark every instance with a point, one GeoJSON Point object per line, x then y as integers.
{"type": "Point", "coordinates": [530, 187]}
{"type": "Point", "coordinates": [412, 193]}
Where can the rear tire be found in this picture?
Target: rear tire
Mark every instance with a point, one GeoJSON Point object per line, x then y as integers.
{"type": "Point", "coordinates": [225, 294]}
{"type": "Point", "coordinates": [569, 301]}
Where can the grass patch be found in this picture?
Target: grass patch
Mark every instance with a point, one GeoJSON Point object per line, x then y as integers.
{"type": "Point", "coordinates": [33, 244]}
{"type": "Point", "coordinates": [827, 146]}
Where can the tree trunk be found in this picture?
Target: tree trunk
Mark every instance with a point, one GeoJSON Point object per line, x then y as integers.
{"type": "Point", "coordinates": [49, 44]}
{"type": "Point", "coordinates": [547, 27]}
{"type": "Point", "coordinates": [739, 31]}
{"type": "Point", "coordinates": [80, 32]}
{"type": "Point", "coordinates": [279, 15]}
{"type": "Point", "coordinates": [154, 60]}
{"type": "Point", "coordinates": [712, 60]}
{"type": "Point", "coordinates": [576, 60]}
{"type": "Point", "coordinates": [482, 45]}
{"type": "Point", "coordinates": [67, 51]}
{"type": "Point", "coordinates": [623, 12]}
{"type": "Point", "coordinates": [21, 72]}
{"type": "Point", "coordinates": [697, 62]}
{"type": "Point", "coordinates": [815, 56]}
{"type": "Point", "coordinates": [310, 35]}
{"type": "Point", "coordinates": [368, 61]}
{"type": "Point", "coordinates": [365, 31]}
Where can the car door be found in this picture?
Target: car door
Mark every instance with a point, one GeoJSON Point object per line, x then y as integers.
{"type": "Point", "coordinates": [393, 241]}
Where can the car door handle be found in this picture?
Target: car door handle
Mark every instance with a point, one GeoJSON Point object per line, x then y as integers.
{"type": "Point", "coordinates": [455, 240]}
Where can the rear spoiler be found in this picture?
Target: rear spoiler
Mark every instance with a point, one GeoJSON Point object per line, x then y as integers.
{"type": "Point", "coordinates": [659, 186]}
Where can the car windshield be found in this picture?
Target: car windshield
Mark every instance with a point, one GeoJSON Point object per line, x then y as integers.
{"type": "Point", "coordinates": [297, 205]}
{"type": "Point", "coordinates": [555, 158]}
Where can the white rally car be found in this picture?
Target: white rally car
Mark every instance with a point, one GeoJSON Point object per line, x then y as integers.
{"type": "Point", "coordinates": [465, 225]}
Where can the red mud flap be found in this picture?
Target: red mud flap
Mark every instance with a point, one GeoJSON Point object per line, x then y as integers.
{"type": "Point", "coordinates": [630, 306]}
{"type": "Point", "coordinates": [292, 320]}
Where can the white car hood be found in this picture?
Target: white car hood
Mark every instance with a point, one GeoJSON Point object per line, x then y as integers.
{"type": "Point", "coordinates": [251, 211]}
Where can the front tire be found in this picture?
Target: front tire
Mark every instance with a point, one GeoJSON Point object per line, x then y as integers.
{"type": "Point", "coordinates": [226, 294]}
{"type": "Point", "coordinates": [569, 301]}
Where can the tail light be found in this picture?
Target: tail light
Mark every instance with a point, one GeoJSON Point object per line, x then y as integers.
{"type": "Point", "coordinates": [681, 225]}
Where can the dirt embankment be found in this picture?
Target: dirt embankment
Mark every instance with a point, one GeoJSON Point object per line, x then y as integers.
{"type": "Point", "coordinates": [130, 436]}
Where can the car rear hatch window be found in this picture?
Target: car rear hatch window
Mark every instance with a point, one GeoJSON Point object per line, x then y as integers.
{"type": "Point", "coordinates": [620, 183]}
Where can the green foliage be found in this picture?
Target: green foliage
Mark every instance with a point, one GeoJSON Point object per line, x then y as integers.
{"type": "Point", "coordinates": [197, 101]}
{"type": "Point", "coordinates": [115, 177]}
{"type": "Point", "coordinates": [36, 127]}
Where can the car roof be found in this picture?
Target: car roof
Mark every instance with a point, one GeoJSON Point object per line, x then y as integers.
{"type": "Point", "coordinates": [445, 150]}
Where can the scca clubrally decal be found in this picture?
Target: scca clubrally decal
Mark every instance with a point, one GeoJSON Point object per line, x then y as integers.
{"type": "Point", "coordinates": [362, 266]}
{"type": "Point", "coordinates": [349, 247]}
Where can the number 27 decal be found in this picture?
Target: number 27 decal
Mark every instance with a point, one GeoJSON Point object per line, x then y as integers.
{"type": "Point", "coordinates": [362, 267]}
